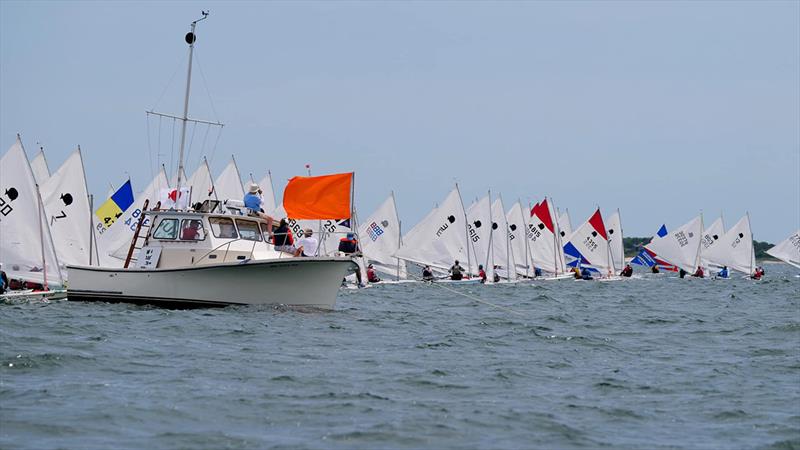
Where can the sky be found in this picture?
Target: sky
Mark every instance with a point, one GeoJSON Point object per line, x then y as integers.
{"type": "Point", "coordinates": [660, 109]}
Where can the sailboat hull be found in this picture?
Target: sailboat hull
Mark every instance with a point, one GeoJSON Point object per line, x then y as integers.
{"type": "Point", "coordinates": [307, 282]}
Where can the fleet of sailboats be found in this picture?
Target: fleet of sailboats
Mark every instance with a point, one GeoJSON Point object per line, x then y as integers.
{"type": "Point", "coordinates": [48, 222]}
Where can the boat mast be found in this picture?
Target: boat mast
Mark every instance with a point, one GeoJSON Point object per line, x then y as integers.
{"type": "Point", "coordinates": [190, 39]}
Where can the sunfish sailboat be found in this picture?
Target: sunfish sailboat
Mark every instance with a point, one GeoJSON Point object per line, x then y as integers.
{"type": "Point", "coordinates": [735, 249]}
{"type": "Point", "coordinates": [441, 238]}
{"type": "Point", "coordinates": [26, 246]}
{"type": "Point", "coordinates": [788, 250]}
{"type": "Point", "coordinates": [680, 247]}
{"type": "Point", "coordinates": [589, 246]}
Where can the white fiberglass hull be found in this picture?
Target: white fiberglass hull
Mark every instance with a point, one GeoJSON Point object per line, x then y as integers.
{"type": "Point", "coordinates": [308, 282]}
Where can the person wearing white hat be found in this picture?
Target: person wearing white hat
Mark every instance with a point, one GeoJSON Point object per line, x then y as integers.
{"type": "Point", "coordinates": [252, 201]}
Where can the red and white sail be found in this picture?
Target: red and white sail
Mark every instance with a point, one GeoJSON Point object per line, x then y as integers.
{"type": "Point", "coordinates": [589, 245]}
{"type": "Point", "coordinates": [546, 252]}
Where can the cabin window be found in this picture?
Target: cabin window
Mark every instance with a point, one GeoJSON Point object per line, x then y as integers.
{"type": "Point", "coordinates": [167, 229]}
{"type": "Point", "coordinates": [223, 227]}
{"type": "Point", "coordinates": [265, 233]}
{"type": "Point", "coordinates": [192, 230]}
{"type": "Point", "coordinates": [249, 230]}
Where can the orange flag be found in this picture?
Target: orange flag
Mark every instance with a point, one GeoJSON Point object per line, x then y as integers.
{"type": "Point", "coordinates": [323, 197]}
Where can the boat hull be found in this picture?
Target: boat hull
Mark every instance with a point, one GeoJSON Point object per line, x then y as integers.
{"type": "Point", "coordinates": [307, 282]}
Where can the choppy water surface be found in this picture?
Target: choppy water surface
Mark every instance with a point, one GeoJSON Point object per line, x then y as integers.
{"type": "Point", "coordinates": [642, 363]}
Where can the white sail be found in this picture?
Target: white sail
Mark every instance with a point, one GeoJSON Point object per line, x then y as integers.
{"type": "Point", "coordinates": [711, 236]}
{"type": "Point", "coordinates": [615, 244]}
{"type": "Point", "coordinates": [545, 251]}
{"type": "Point", "coordinates": [565, 224]}
{"type": "Point", "coordinates": [114, 242]}
{"type": "Point", "coordinates": [229, 183]}
{"type": "Point", "coordinates": [788, 250]}
{"type": "Point", "coordinates": [501, 247]}
{"type": "Point", "coordinates": [380, 239]}
{"type": "Point", "coordinates": [268, 194]}
{"type": "Point", "coordinates": [479, 221]}
{"type": "Point", "coordinates": [441, 237]}
{"type": "Point", "coordinates": [589, 244]}
{"type": "Point", "coordinates": [680, 246]}
{"type": "Point", "coordinates": [41, 171]}
{"type": "Point", "coordinates": [66, 203]}
{"type": "Point", "coordinates": [735, 248]}
{"type": "Point", "coordinates": [202, 184]}
{"type": "Point", "coordinates": [517, 225]}
{"type": "Point", "coordinates": [26, 247]}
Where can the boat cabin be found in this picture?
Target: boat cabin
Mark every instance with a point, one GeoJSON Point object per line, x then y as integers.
{"type": "Point", "coordinates": [191, 238]}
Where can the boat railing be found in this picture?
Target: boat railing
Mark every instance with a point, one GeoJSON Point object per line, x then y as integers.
{"type": "Point", "coordinates": [227, 246]}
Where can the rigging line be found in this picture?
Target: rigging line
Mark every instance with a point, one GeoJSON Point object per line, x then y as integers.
{"type": "Point", "coordinates": [177, 67]}
{"type": "Point", "coordinates": [149, 145]}
{"type": "Point", "coordinates": [158, 155]}
{"type": "Point", "coordinates": [216, 143]}
{"type": "Point", "coordinates": [205, 86]}
{"type": "Point", "coordinates": [205, 137]}
{"type": "Point", "coordinates": [172, 147]}
{"type": "Point", "coordinates": [472, 297]}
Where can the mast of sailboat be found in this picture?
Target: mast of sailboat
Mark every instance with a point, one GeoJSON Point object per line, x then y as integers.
{"type": "Point", "coordinates": [399, 233]}
{"type": "Point", "coordinates": [190, 39]}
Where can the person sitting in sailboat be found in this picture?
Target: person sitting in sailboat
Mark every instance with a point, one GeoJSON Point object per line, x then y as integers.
{"type": "Point", "coordinates": [427, 274]}
{"type": "Point", "coordinates": [372, 276]}
{"type": "Point", "coordinates": [586, 274]}
{"type": "Point", "coordinates": [699, 273]}
{"type": "Point", "coordinates": [481, 273]}
{"type": "Point", "coordinates": [496, 278]}
{"type": "Point", "coordinates": [456, 271]}
{"type": "Point", "coordinates": [252, 201]}
{"type": "Point", "coordinates": [627, 271]}
{"type": "Point", "coordinates": [723, 273]}
{"type": "Point", "coordinates": [3, 280]}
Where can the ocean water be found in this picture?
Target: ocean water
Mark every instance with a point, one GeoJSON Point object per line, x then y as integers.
{"type": "Point", "coordinates": [655, 362]}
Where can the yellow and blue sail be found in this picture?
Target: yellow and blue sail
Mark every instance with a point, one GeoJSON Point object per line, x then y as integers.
{"type": "Point", "coordinates": [113, 208]}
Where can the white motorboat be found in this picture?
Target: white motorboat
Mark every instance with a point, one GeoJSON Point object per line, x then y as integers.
{"type": "Point", "coordinates": [207, 256]}
{"type": "Point", "coordinates": [198, 259]}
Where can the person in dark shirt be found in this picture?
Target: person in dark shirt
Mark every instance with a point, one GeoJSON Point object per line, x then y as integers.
{"type": "Point", "coordinates": [348, 244]}
{"type": "Point", "coordinates": [481, 273]}
{"type": "Point", "coordinates": [456, 271]}
{"type": "Point", "coordinates": [427, 274]}
{"type": "Point", "coordinates": [627, 271]}
{"type": "Point", "coordinates": [282, 238]}
{"type": "Point", "coordinates": [3, 280]}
